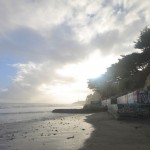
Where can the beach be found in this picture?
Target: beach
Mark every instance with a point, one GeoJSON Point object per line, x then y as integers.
{"type": "Point", "coordinates": [63, 133]}
{"type": "Point", "coordinates": [111, 134]}
{"type": "Point", "coordinates": [97, 131]}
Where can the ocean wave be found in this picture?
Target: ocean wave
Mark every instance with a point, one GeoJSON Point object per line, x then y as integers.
{"type": "Point", "coordinates": [18, 105]}
{"type": "Point", "coordinates": [30, 112]}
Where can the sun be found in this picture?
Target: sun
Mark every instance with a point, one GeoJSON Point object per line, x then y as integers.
{"type": "Point", "coordinates": [76, 89]}
{"type": "Point", "coordinates": [92, 67]}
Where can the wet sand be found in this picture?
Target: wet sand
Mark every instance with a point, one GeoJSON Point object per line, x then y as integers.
{"type": "Point", "coordinates": [67, 133]}
{"type": "Point", "coordinates": [99, 131]}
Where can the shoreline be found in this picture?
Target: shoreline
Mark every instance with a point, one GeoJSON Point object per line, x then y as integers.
{"type": "Point", "coordinates": [77, 132]}
{"type": "Point", "coordinates": [56, 134]}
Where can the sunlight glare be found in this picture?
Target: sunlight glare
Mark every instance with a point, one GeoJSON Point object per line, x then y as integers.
{"type": "Point", "coordinates": [92, 67]}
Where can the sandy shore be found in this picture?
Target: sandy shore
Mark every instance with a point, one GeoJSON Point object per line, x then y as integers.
{"type": "Point", "coordinates": [67, 133]}
{"type": "Point", "coordinates": [111, 134]}
{"type": "Point", "coordinates": [77, 132]}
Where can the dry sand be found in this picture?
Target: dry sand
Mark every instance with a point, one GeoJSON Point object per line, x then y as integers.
{"type": "Point", "coordinates": [111, 134]}
{"type": "Point", "coordinates": [78, 132]}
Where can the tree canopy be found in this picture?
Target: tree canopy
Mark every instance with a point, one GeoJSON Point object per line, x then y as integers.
{"type": "Point", "coordinates": [128, 74]}
{"type": "Point", "coordinates": [143, 42]}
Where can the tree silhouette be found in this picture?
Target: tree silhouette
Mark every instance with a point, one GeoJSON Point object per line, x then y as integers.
{"type": "Point", "coordinates": [128, 74]}
{"type": "Point", "coordinates": [143, 42]}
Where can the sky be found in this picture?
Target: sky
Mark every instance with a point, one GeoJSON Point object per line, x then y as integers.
{"type": "Point", "coordinates": [50, 48]}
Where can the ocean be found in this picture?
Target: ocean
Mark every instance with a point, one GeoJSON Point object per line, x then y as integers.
{"type": "Point", "coordinates": [21, 112]}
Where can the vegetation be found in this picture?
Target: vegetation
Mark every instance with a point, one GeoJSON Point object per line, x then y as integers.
{"type": "Point", "coordinates": [128, 74]}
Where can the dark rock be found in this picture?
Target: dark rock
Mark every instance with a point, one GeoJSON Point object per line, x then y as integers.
{"type": "Point", "coordinates": [71, 137]}
{"type": "Point", "coordinates": [78, 111]}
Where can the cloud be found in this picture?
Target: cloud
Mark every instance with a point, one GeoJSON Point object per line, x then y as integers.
{"type": "Point", "coordinates": [32, 13]}
{"type": "Point", "coordinates": [40, 82]}
{"type": "Point", "coordinates": [60, 45]}
{"type": "Point", "coordinates": [43, 36]}
{"type": "Point", "coordinates": [106, 41]}
{"type": "Point", "coordinates": [22, 42]}
{"type": "Point", "coordinates": [97, 20]}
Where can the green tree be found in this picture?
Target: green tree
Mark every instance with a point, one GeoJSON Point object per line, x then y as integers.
{"type": "Point", "coordinates": [128, 74]}
{"type": "Point", "coordinates": [143, 42]}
